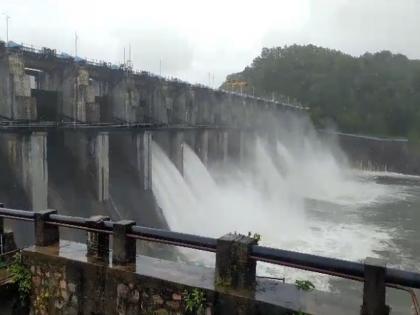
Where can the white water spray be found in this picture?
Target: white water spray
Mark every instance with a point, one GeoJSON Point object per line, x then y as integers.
{"type": "Point", "coordinates": [272, 200]}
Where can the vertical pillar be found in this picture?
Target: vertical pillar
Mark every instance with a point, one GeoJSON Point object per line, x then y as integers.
{"type": "Point", "coordinates": [223, 145]}
{"type": "Point", "coordinates": [35, 169]}
{"type": "Point", "coordinates": [75, 92]}
{"type": "Point", "coordinates": [176, 150]}
{"type": "Point", "coordinates": [123, 248]}
{"type": "Point", "coordinates": [1, 220]}
{"type": "Point", "coordinates": [234, 268]}
{"type": "Point", "coordinates": [45, 234]}
{"type": "Point", "coordinates": [27, 158]}
{"type": "Point", "coordinates": [125, 99]}
{"type": "Point", "coordinates": [97, 242]}
{"type": "Point", "coordinates": [7, 239]}
{"type": "Point", "coordinates": [374, 288]}
{"type": "Point", "coordinates": [91, 151]}
{"type": "Point", "coordinates": [202, 145]}
{"type": "Point", "coordinates": [234, 144]}
{"type": "Point", "coordinates": [15, 89]}
{"type": "Point", "coordinates": [248, 146]}
{"type": "Point", "coordinates": [144, 159]}
{"type": "Point", "coordinates": [100, 155]}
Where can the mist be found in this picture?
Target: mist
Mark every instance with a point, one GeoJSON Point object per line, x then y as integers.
{"type": "Point", "coordinates": [296, 190]}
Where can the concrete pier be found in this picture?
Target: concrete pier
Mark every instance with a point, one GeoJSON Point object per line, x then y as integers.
{"type": "Point", "coordinates": [91, 153]}
{"type": "Point", "coordinates": [26, 156]}
{"type": "Point", "coordinates": [217, 146]}
{"type": "Point", "coordinates": [177, 150]}
{"type": "Point", "coordinates": [125, 99]}
{"type": "Point", "coordinates": [202, 145]}
{"type": "Point", "coordinates": [15, 89]}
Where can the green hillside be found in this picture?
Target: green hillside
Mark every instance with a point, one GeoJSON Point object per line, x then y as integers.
{"type": "Point", "coordinates": [371, 94]}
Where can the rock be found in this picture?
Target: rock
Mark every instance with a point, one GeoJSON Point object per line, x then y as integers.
{"type": "Point", "coordinates": [63, 284]}
{"type": "Point", "coordinates": [174, 305]}
{"type": "Point", "coordinates": [72, 287]}
{"type": "Point", "coordinates": [36, 281]}
{"type": "Point", "coordinates": [176, 297]}
{"type": "Point", "coordinates": [59, 303]}
{"type": "Point", "coordinates": [135, 296]}
{"type": "Point", "coordinates": [161, 311]}
{"type": "Point", "coordinates": [65, 295]}
{"type": "Point", "coordinates": [74, 300]}
{"type": "Point", "coordinates": [122, 290]}
{"type": "Point", "coordinates": [157, 299]}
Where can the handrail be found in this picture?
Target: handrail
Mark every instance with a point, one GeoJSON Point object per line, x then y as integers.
{"type": "Point", "coordinates": [309, 262]}
{"type": "Point", "coordinates": [330, 266]}
{"type": "Point", "coordinates": [174, 238]}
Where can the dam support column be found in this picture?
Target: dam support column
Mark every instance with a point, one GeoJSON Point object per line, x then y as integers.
{"type": "Point", "coordinates": [15, 89]}
{"type": "Point", "coordinates": [202, 145]}
{"type": "Point", "coordinates": [248, 147]}
{"type": "Point", "coordinates": [144, 159]}
{"type": "Point", "coordinates": [26, 155]}
{"type": "Point", "coordinates": [234, 144]}
{"type": "Point", "coordinates": [177, 150]}
{"type": "Point", "coordinates": [100, 156]}
{"type": "Point", "coordinates": [218, 146]}
{"type": "Point", "coordinates": [35, 169]}
{"type": "Point", "coordinates": [79, 103]}
{"type": "Point", "coordinates": [91, 151]}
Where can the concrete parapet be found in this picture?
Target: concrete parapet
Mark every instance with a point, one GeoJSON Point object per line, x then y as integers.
{"type": "Point", "coordinates": [71, 285]}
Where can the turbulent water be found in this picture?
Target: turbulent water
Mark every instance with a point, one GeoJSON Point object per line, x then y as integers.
{"type": "Point", "coordinates": [303, 198]}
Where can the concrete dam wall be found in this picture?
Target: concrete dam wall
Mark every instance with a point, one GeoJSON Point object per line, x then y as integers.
{"type": "Point", "coordinates": [77, 136]}
{"type": "Point", "coordinates": [379, 154]}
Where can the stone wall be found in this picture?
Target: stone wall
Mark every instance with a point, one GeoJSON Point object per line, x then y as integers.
{"type": "Point", "coordinates": [67, 281]}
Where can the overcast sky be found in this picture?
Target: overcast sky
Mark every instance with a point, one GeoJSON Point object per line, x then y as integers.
{"type": "Point", "coordinates": [197, 37]}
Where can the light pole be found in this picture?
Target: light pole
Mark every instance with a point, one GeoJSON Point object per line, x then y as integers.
{"type": "Point", "coordinates": [7, 27]}
{"type": "Point", "coordinates": [76, 38]}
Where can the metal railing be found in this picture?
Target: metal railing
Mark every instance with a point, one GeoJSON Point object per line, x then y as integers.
{"type": "Point", "coordinates": [394, 278]}
{"type": "Point", "coordinates": [44, 51]}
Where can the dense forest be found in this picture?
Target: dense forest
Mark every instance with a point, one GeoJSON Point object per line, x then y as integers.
{"type": "Point", "coordinates": [376, 94]}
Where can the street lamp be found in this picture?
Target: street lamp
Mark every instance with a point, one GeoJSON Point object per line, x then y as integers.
{"type": "Point", "coordinates": [7, 27]}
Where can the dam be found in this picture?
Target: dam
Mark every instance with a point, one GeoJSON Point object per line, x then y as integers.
{"type": "Point", "coordinates": [78, 134]}
{"type": "Point", "coordinates": [89, 138]}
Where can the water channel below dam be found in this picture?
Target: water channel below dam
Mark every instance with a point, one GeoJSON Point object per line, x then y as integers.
{"type": "Point", "coordinates": [303, 198]}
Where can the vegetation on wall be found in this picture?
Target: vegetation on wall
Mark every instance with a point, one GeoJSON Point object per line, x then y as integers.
{"type": "Point", "coordinates": [195, 301]}
{"type": "Point", "coordinates": [21, 276]}
{"type": "Point", "coordinates": [371, 94]}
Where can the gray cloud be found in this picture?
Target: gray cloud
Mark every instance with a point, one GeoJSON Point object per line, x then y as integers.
{"type": "Point", "coordinates": [220, 37]}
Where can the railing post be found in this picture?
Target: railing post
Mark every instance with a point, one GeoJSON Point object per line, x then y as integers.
{"type": "Point", "coordinates": [374, 288]}
{"type": "Point", "coordinates": [45, 234]}
{"type": "Point", "coordinates": [1, 221]}
{"type": "Point", "coordinates": [234, 268]}
{"type": "Point", "coordinates": [123, 248]}
{"type": "Point", "coordinates": [97, 242]}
